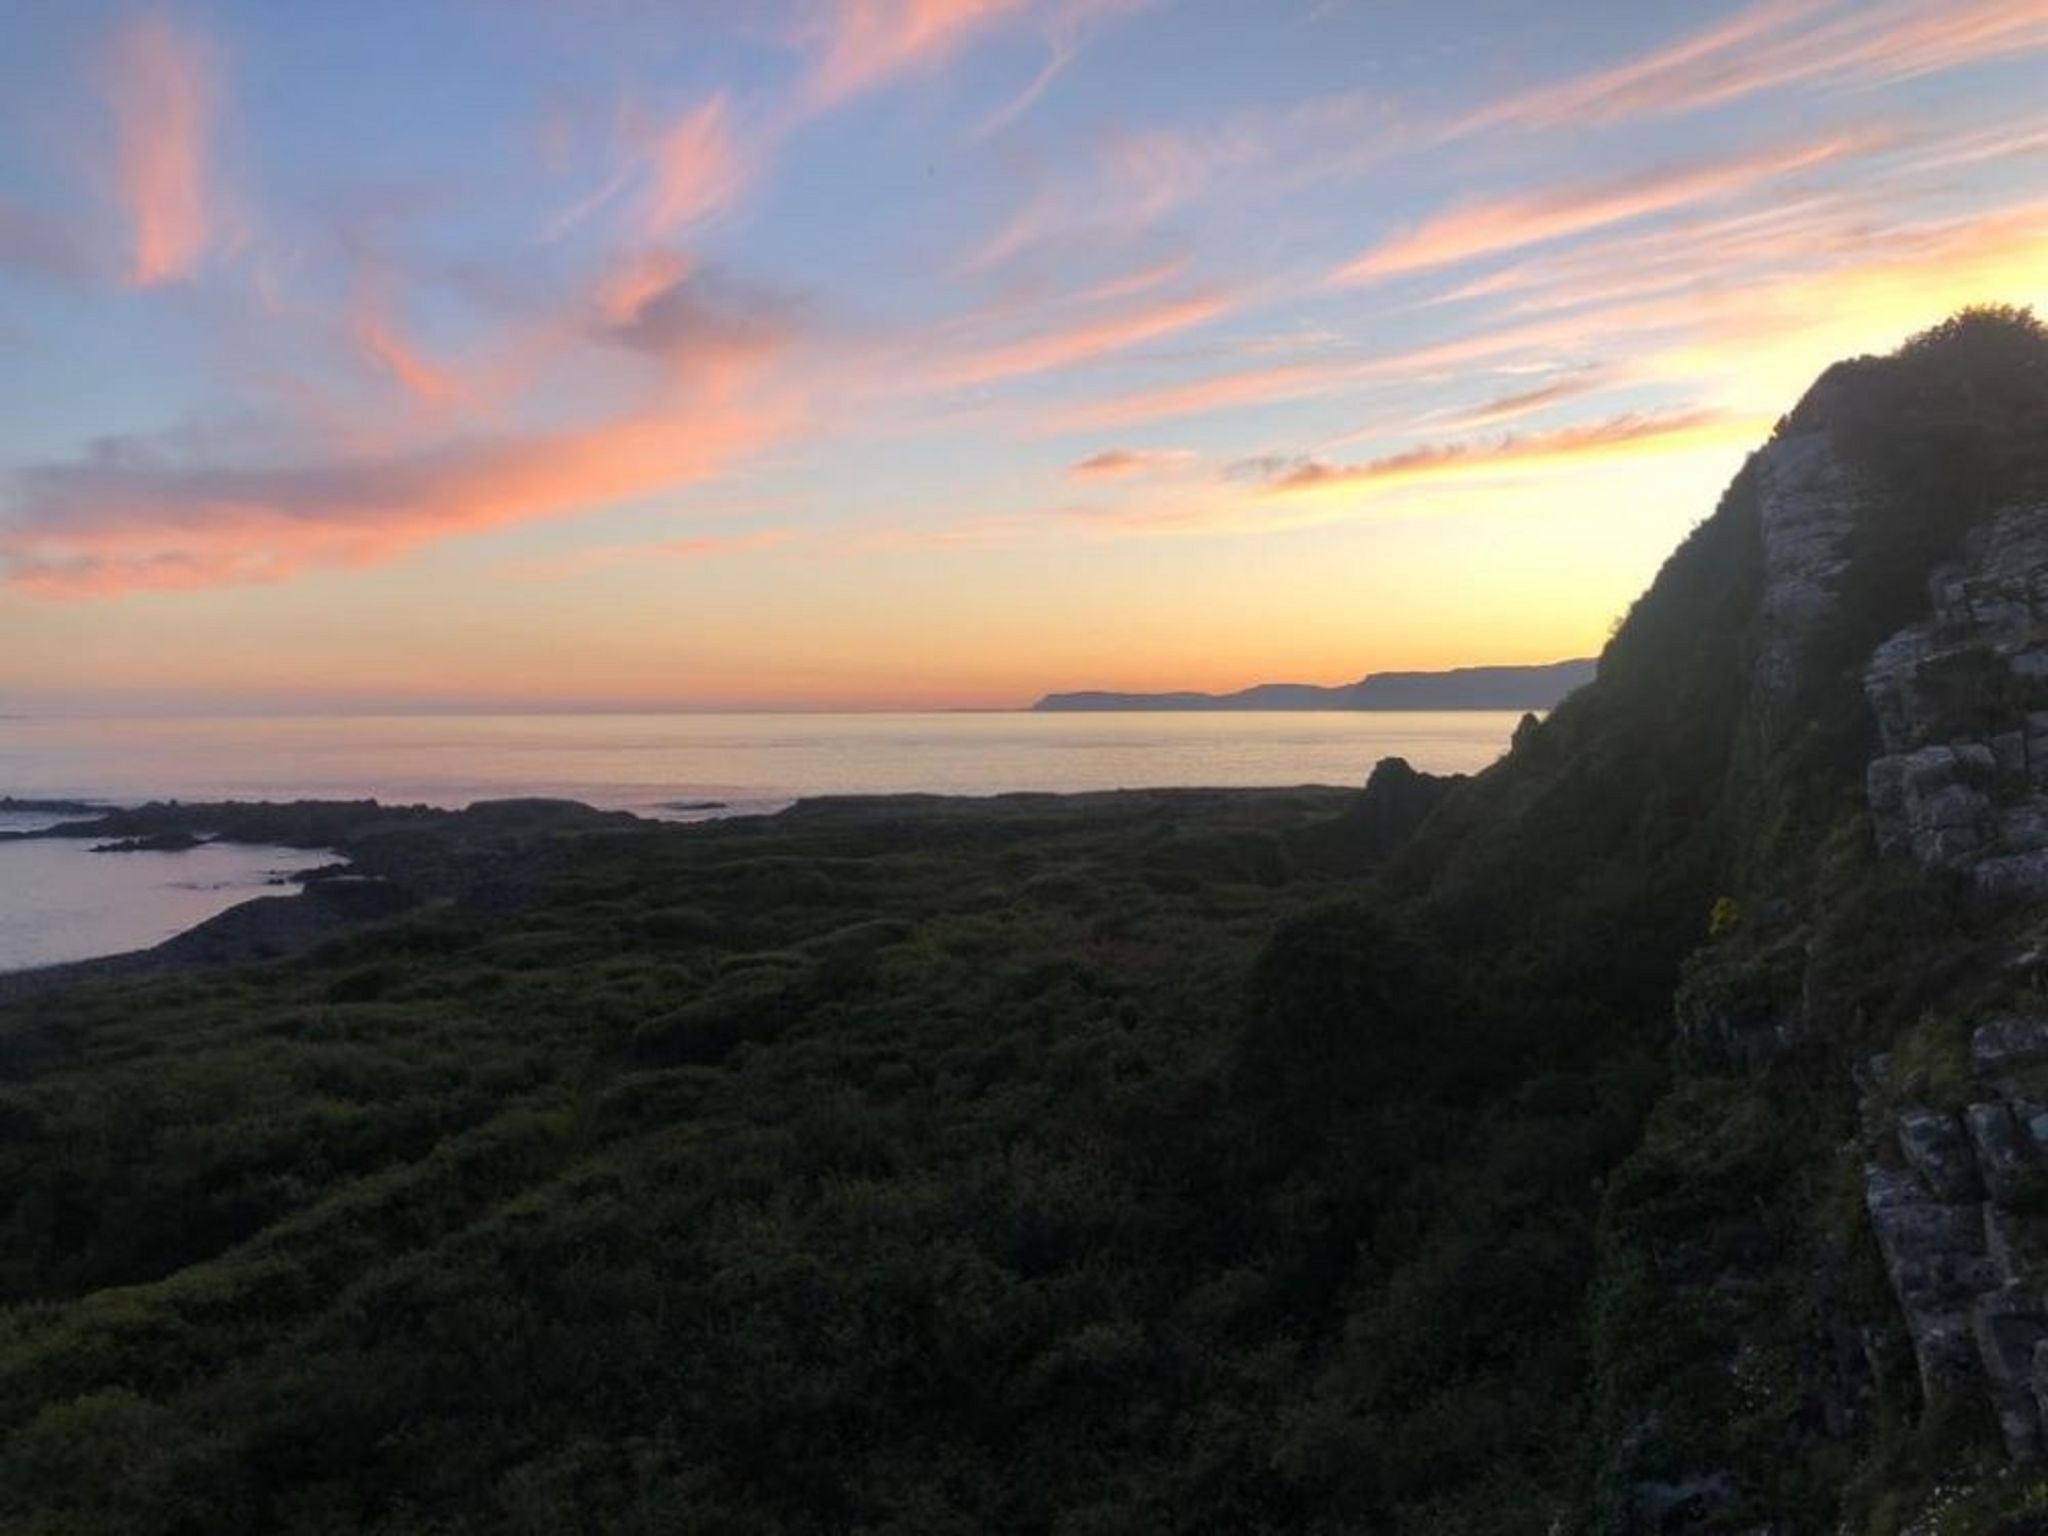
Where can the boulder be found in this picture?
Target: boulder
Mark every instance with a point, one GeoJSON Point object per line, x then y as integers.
{"type": "Point", "coordinates": [1935, 1257]}
{"type": "Point", "coordinates": [2008, 1326]}
{"type": "Point", "coordinates": [2008, 1041]}
{"type": "Point", "coordinates": [2006, 1159]}
{"type": "Point", "coordinates": [1936, 1148]}
{"type": "Point", "coordinates": [2017, 1243]}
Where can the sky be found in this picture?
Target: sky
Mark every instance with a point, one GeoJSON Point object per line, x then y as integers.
{"type": "Point", "coordinates": [619, 354]}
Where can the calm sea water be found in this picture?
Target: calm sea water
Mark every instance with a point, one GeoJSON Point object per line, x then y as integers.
{"type": "Point", "coordinates": [60, 902]}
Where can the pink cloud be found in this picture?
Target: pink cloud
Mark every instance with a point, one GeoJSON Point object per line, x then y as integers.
{"type": "Point", "coordinates": [1085, 341]}
{"type": "Point", "coordinates": [686, 170]}
{"type": "Point", "coordinates": [1124, 463]}
{"type": "Point", "coordinates": [1486, 228]}
{"type": "Point", "coordinates": [693, 171]}
{"type": "Point", "coordinates": [1252, 386]}
{"type": "Point", "coordinates": [1523, 402]}
{"type": "Point", "coordinates": [178, 512]}
{"type": "Point", "coordinates": [1065, 31]}
{"type": "Point", "coordinates": [706, 324]}
{"type": "Point", "coordinates": [1604, 439]}
{"type": "Point", "coordinates": [391, 351]}
{"type": "Point", "coordinates": [126, 519]}
{"type": "Point", "coordinates": [861, 44]}
{"type": "Point", "coordinates": [1778, 44]}
{"type": "Point", "coordinates": [160, 84]}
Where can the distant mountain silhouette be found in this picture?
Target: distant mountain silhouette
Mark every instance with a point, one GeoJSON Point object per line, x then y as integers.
{"type": "Point", "coordinates": [1540, 687]}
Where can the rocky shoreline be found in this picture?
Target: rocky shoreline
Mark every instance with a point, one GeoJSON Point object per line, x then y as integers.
{"type": "Point", "coordinates": [390, 860]}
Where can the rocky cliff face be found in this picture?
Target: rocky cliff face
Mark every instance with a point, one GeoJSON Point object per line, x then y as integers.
{"type": "Point", "coordinates": [1958, 1203]}
{"type": "Point", "coordinates": [1958, 1194]}
{"type": "Point", "coordinates": [1806, 511]}
{"type": "Point", "coordinates": [1831, 1245]}
{"type": "Point", "coordinates": [1961, 704]}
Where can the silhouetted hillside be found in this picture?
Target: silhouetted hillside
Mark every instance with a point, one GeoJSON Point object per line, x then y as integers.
{"type": "Point", "coordinates": [1538, 687]}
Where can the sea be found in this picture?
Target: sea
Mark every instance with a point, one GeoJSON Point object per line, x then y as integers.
{"type": "Point", "coordinates": [59, 901]}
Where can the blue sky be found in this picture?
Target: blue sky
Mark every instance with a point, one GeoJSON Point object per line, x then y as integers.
{"type": "Point", "coordinates": [874, 352]}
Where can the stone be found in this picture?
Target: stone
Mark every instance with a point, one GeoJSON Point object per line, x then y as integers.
{"type": "Point", "coordinates": [2010, 1040]}
{"type": "Point", "coordinates": [2038, 1378]}
{"type": "Point", "coordinates": [1929, 770]}
{"type": "Point", "coordinates": [1928, 790]}
{"type": "Point", "coordinates": [1806, 507]}
{"type": "Point", "coordinates": [1680, 1504]}
{"type": "Point", "coordinates": [2003, 1243]}
{"type": "Point", "coordinates": [2009, 1329]}
{"type": "Point", "coordinates": [1936, 1149]}
{"type": "Point", "coordinates": [2016, 1244]}
{"type": "Point", "coordinates": [1934, 1255]}
{"type": "Point", "coordinates": [2013, 874]}
{"type": "Point", "coordinates": [2009, 749]}
{"type": "Point", "coordinates": [1974, 757]}
{"type": "Point", "coordinates": [2006, 1160]}
{"type": "Point", "coordinates": [2008, 1326]}
{"type": "Point", "coordinates": [2024, 827]}
{"type": "Point", "coordinates": [2030, 665]}
{"type": "Point", "coordinates": [1884, 786]}
{"type": "Point", "coordinates": [2019, 1422]}
{"type": "Point", "coordinates": [1889, 685]}
{"type": "Point", "coordinates": [1944, 847]}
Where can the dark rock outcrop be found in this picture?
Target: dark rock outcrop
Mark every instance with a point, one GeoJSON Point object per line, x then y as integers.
{"type": "Point", "coordinates": [1397, 800]}
{"type": "Point", "coordinates": [1960, 1229]}
{"type": "Point", "coordinates": [1961, 704]}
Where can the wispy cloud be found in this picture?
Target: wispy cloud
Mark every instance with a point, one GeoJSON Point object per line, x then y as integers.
{"type": "Point", "coordinates": [278, 499]}
{"type": "Point", "coordinates": [1505, 224]}
{"type": "Point", "coordinates": [694, 170]}
{"type": "Point", "coordinates": [1065, 32]}
{"type": "Point", "coordinates": [705, 322]}
{"type": "Point", "coordinates": [858, 45]}
{"type": "Point", "coordinates": [1617, 436]}
{"type": "Point", "coordinates": [161, 85]}
{"type": "Point", "coordinates": [686, 169]}
{"type": "Point", "coordinates": [1126, 463]}
{"type": "Point", "coordinates": [1276, 492]}
{"type": "Point", "coordinates": [389, 349]}
{"type": "Point", "coordinates": [1225, 391]}
{"type": "Point", "coordinates": [1085, 341]}
{"type": "Point", "coordinates": [128, 518]}
{"type": "Point", "coordinates": [1523, 402]}
{"type": "Point", "coordinates": [1774, 45]}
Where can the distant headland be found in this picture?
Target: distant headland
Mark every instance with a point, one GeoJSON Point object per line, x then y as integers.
{"type": "Point", "coordinates": [1537, 687]}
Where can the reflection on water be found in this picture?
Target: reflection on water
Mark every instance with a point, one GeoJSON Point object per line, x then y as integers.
{"type": "Point", "coordinates": [60, 901]}
{"type": "Point", "coordinates": [640, 762]}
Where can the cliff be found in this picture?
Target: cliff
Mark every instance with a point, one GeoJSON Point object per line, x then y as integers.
{"type": "Point", "coordinates": [1803, 815]}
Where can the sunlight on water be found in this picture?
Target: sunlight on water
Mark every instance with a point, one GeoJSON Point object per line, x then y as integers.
{"type": "Point", "coordinates": [641, 762]}
{"type": "Point", "coordinates": [59, 902]}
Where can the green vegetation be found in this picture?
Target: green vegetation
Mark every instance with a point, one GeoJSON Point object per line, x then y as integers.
{"type": "Point", "coordinates": [885, 1166]}
{"type": "Point", "coordinates": [1158, 1162]}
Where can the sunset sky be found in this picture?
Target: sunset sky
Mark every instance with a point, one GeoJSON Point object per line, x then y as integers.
{"type": "Point", "coordinates": [876, 353]}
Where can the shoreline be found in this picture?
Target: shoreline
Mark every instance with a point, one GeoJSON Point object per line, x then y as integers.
{"type": "Point", "coordinates": [440, 857]}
